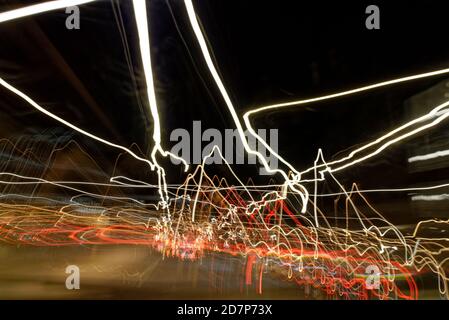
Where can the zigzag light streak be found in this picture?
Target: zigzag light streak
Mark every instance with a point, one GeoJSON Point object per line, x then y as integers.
{"type": "Point", "coordinates": [433, 155]}
{"type": "Point", "coordinates": [296, 174]}
{"type": "Point", "coordinates": [142, 25]}
{"type": "Point", "coordinates": [223, 219]}
{"type": "Point", "coordinates": [292, 183]}
{"type": "Point", "coordinates": [253, 112]}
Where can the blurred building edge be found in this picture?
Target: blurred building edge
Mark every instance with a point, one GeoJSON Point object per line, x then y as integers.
{"type": "Point", "coordinates": [428, 155]}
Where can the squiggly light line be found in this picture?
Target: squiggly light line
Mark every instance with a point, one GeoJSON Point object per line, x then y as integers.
{"type": "Point", "coordinates": [39, 8]}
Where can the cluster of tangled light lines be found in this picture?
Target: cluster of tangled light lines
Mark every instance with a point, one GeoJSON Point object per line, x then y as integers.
{"type": "Point", "coordinates": [279, 228]}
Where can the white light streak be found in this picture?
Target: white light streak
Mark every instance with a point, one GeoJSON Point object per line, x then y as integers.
{"type": "Point", "coordinates": [434, 197]}
{"type": "Point", "coordinates": [207, 57]}
{"type": "Point", "coordinates": [433, 155]}
{"type": "Point", "coordinates": [40, 8]}
{"type": "Point", "coordinates": [142, 26]}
